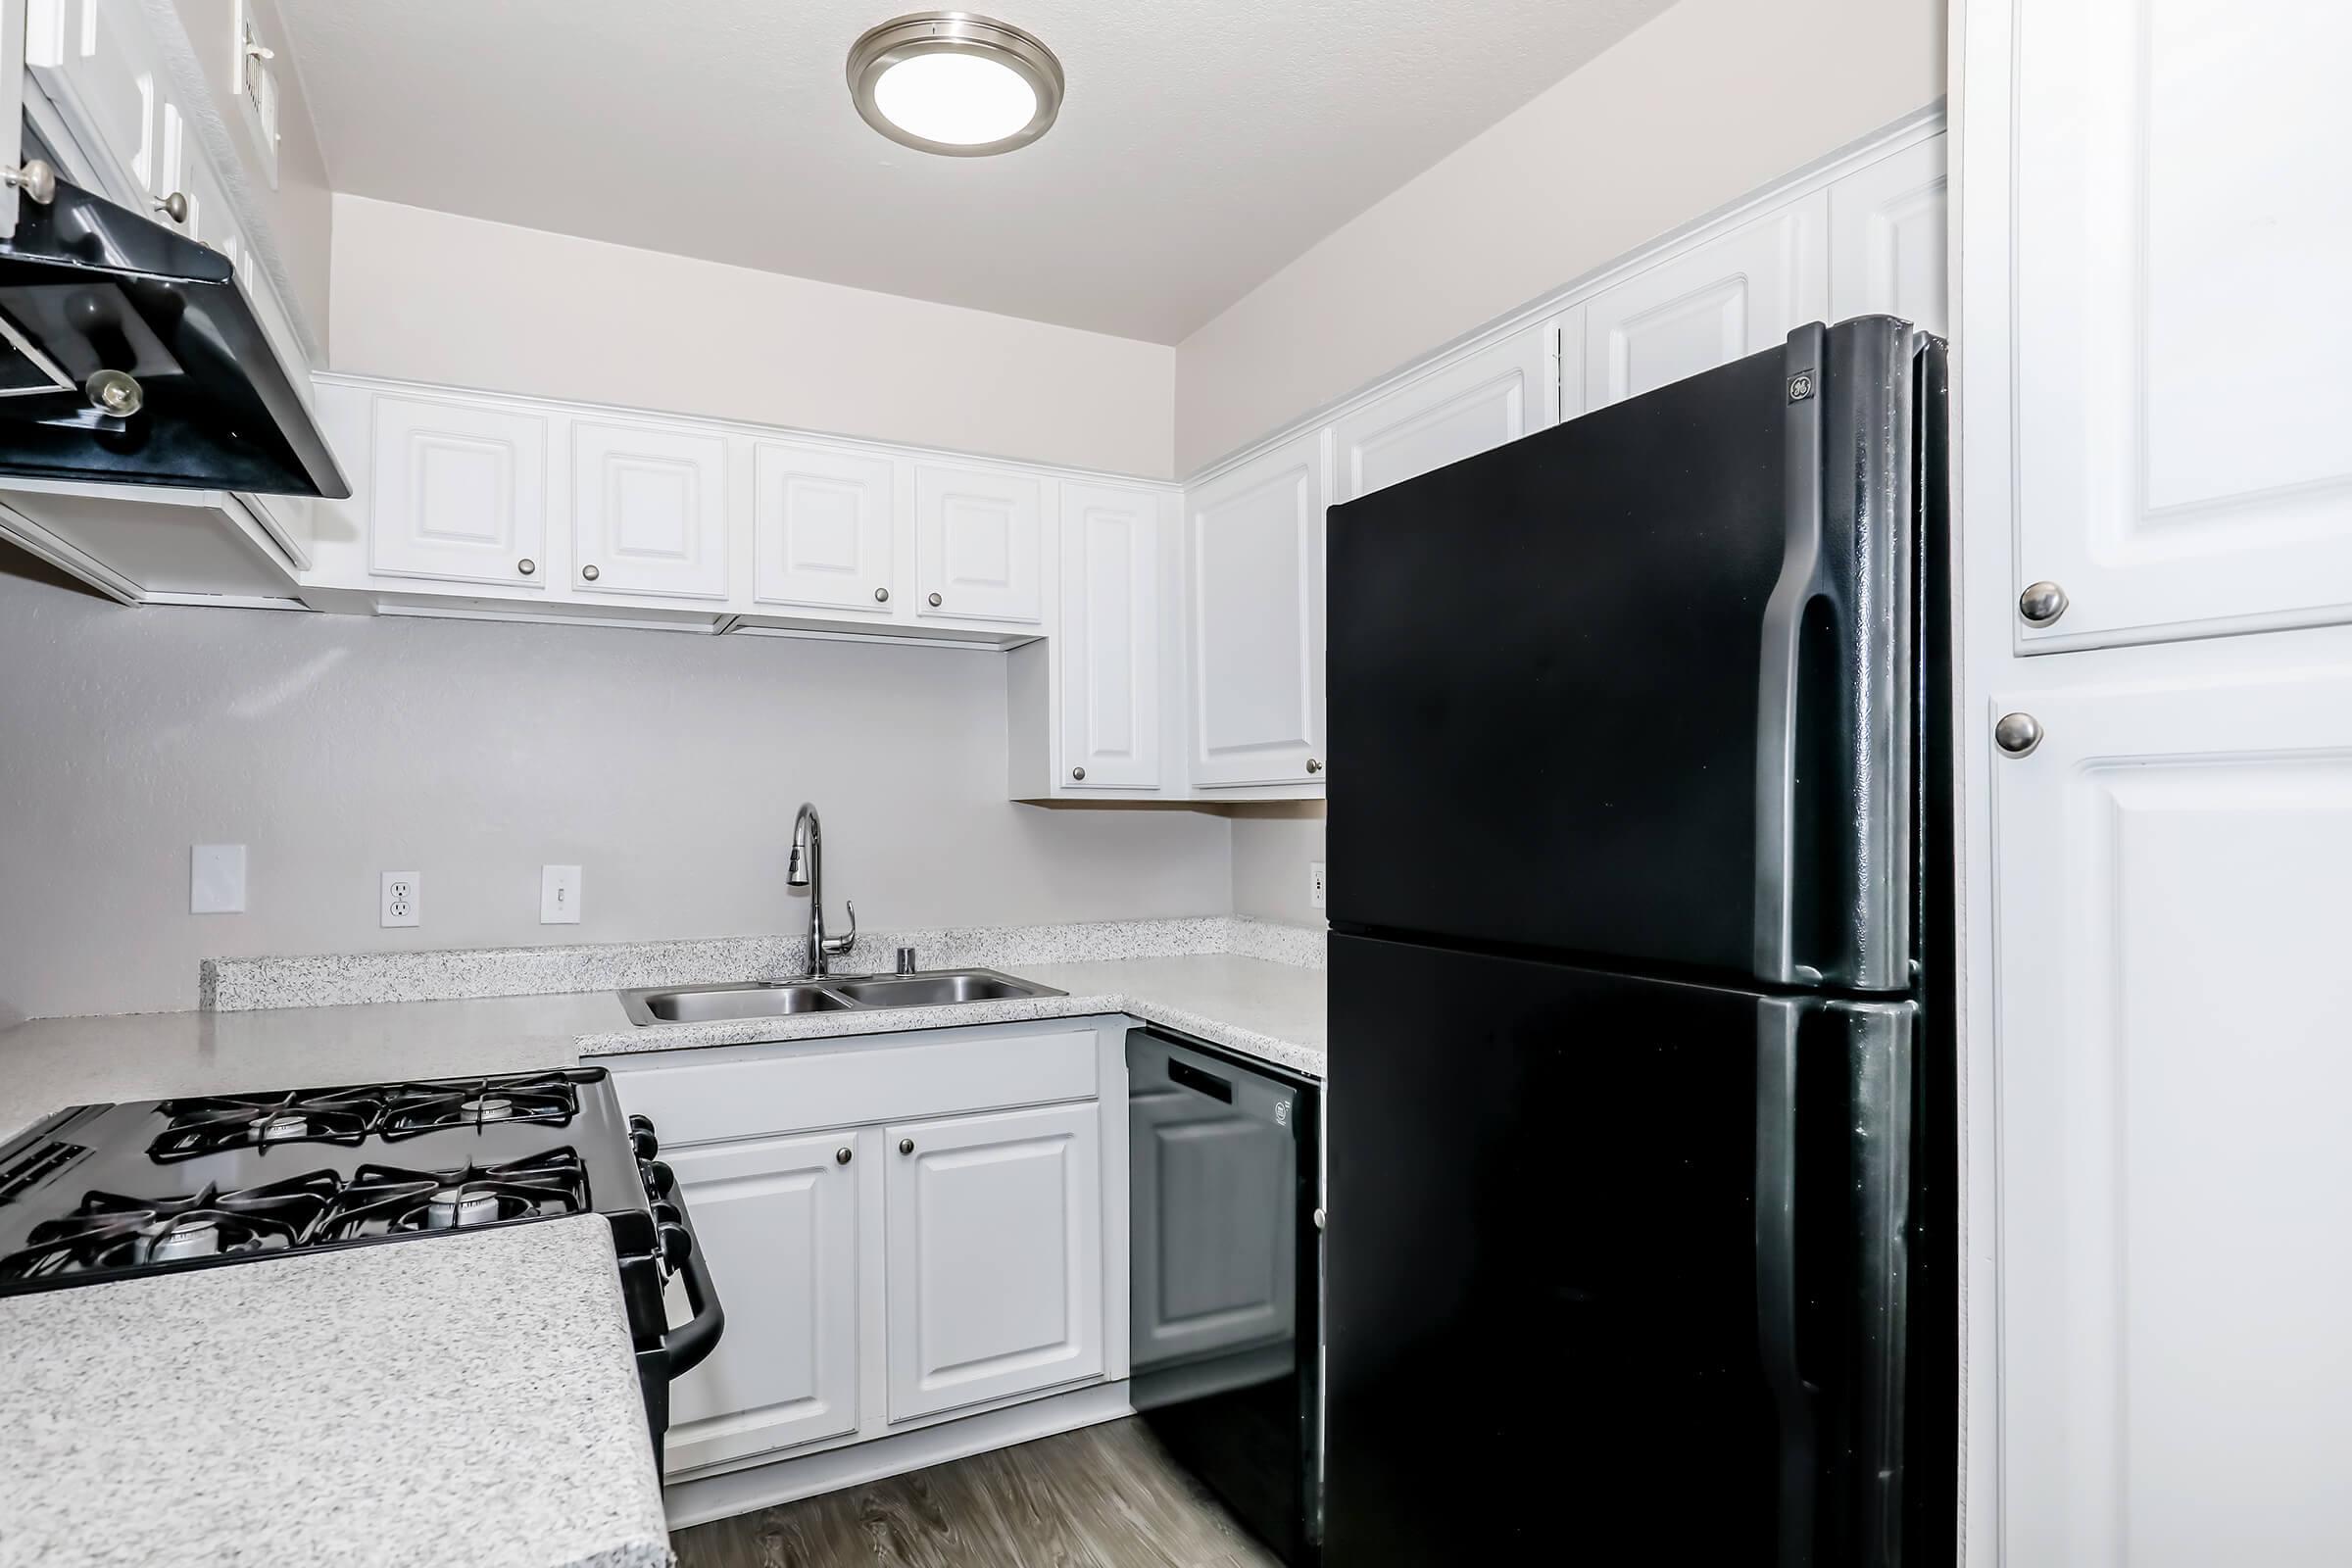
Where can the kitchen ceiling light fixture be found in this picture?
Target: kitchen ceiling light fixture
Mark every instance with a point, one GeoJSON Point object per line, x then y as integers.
{"type": "Point", "coordinates": [955, 83]}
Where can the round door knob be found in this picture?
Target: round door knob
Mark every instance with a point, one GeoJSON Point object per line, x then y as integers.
{"type": "Point", "coordinates": [881, 595]}
{"type": "Point", "coordinates": [174, 206]}
{"type": "Point", "coordinates": [2016, 734]}
{"type": "Point", "coordinates": [906, 1146]}
{"type": "Point", "coordinates": [935, 601]}
{"type": "Point", "coordinates": [526, 565]}
{"type": "Point", "coordinates": [1077, 772]}
{"type": "Point", "coordinates": [1313, 766]}
{"type": "Point", "coordinates": [840, 1155]}
{"type": "Point", "coordinates": [2041, 604]}
{"type": "Point", "coordinates": [590, 572]}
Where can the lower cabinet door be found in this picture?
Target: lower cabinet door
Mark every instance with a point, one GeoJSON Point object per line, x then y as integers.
{"type": "Point", "coordinates": [777, 1221]}
{"type": "Point", "coordinates": [994, 1241]}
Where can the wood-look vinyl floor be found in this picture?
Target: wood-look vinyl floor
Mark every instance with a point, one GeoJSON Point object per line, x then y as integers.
{"type": "Point", "coordinates": [1106, 1496]}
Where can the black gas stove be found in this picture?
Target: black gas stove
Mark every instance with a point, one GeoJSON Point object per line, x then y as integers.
{"type": "Point", "coordinates": [100, 1192]}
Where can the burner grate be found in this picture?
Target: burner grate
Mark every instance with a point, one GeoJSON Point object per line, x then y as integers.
{"type": "Point", "coordinates": [546, 1099]}
{"type": "Point", "coordinates": [387, 1200]}
{"type": "Point", "coordinates": [197, 1127]}
{"type": "Point", "coordinates": [110, 1231]}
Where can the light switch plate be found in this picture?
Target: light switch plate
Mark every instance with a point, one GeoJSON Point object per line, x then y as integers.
{"type": "Point", "coordinates": [403, 898]}
{"type": "Point", "coordinates": [1314, 884]}
{"type": "Point", "coordinates": [559, 895]}
{"type": "Point", "coordinates": [217, 879]}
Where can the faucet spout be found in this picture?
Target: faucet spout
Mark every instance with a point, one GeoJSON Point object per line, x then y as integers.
{"type": "Point", "coordinates": [805, 867]}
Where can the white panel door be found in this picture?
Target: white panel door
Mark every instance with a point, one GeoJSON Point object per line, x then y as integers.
{"type": "Point", "coordinates": [777, 1222]}
{"type": "Point", "coordinates": [460, 492]}
{"type": "Point", "coordinates": [994, 1239]}
{"type": "Point", "coordinates": [2182, 232]}
{"type": "Point", "coordinates": [2176, 1238]}
{"type": "Point", "coordinates": [823, 522]}
{"type": "Point", "coordinates": [649, 509]}
{"type": "Point", "coordinates": [1889, 244]}
{"type": "Point", "coordinates": [1253, 565]}
{"type": "Point", "coordinates": [1216, 1265]}
{"type": "Point", "coordinates": [93, 59]}
{"type": "Point", "coordinates": [1498, 394]}
{"type": "Point", "coordinates": [1110, 631]}
{"type": "Point", "coordinates": [1736, 295]}
{"type": "Point", "coordinates": [979, 544]}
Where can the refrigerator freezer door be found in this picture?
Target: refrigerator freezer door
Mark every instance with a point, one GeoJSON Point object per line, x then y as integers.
{"type": "Point", "coordinates": [1616, 1267]}
{"type": "Point", "coordinates": [1640, 686]}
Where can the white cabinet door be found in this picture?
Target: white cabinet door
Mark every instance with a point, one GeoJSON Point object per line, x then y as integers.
{"type": "Point", "coordinates": [1890, 243]}
{"type": "Point", "coordinates": [979, 544]}
{"type": "Point", "coordinates": [94, 61]}
{"type": "Point", "coordinates": [1736, 295]}
{"type": "Point", "coordinates": [2170, 875]}
{"type": "Point", "coordinates": [1110, 631]}
{"type": "Point", "coordinates": [994, 1241]}
{"type": "Point", "coordinates": [823, 522]}
{"type": "Point", "coordinates": [1215, 1265]}
{"type": "Point", "coordinates": [459, 492]}
{"type": "Point", "coordinates": [1254, 567]}
{"type": "Point", "coordinates": [1497, 395]}
{"type": "Point", "coordinates": [777, 1223]}
{"type": "Point", "coordinates": [649, 509]}
{"type": "Point", "coordinates": [2182, 232]}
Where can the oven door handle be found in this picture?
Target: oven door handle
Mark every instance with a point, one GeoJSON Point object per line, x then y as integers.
{"type": "Point", "coordinates": [692, 1342]}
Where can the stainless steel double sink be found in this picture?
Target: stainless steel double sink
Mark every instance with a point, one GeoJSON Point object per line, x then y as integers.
{"type": "Point", "coordinates": [931, 988]}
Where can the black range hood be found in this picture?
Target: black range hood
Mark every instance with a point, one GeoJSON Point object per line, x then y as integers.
{"type": "Point", "coordinates": [129, 356]}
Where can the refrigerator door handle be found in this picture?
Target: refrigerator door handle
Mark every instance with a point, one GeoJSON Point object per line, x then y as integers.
{"type": "Point", "coordinates": [1798, 584]}
{"type": "Point", "coordinates": [1776, 1273]}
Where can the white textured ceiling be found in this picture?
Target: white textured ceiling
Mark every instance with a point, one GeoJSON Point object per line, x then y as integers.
{"type": "Point", "coordinates": [1202, 143]}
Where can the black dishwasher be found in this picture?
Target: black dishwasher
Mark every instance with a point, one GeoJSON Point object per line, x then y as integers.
{"type": "Point", "coordinates": [1226, 1293]}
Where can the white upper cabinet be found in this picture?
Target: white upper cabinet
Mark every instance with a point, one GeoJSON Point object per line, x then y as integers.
{"type": "Point", "coordinates": [1890, 241]}
{"type": "Point", "coordinates": [649, 509]}
{"type": "Point", "coordinates": [823, 522]}
{"type": "Point", "coordinates": [95, 61]}
{"type": "Point", "coordinates": [2183, 419]}
{"type": "Point", "coordinates": [1731, 297]}
{"type": "Point", "coordinates": [1110, 637]}
{"type": "Point", "coordinates": [1497, 395]}
{"type": "Point", "coordinates": [1253, 569]}
{"type": "Point", "coordinates": [979, 544]}
{"type": "Point", "coordinates": [459, 492]}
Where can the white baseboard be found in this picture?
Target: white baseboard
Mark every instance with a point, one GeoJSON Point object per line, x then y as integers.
{"type": "Point", "coordinates": [787, 1480]}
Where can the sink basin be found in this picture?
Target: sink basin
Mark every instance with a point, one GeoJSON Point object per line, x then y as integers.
{"type": "Point", "coordinates": [843, 993]}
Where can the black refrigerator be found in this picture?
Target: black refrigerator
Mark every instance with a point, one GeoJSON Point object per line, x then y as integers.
{"type": "Point", "coordinates": [1640, 1147]}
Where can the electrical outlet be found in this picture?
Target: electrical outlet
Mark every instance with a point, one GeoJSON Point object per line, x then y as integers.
{"type": "Point", "coordinates": [1314, 884]}
{"type": "Point", "coordinates": [403, 897]}
{"type": "Point", "coordinates": [559, 895]}
{"type": "Point", "coordinates": [217, 879]}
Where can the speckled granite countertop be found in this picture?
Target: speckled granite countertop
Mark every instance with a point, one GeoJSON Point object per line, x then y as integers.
{"type": "Point", "coordinates": [370, 1406]}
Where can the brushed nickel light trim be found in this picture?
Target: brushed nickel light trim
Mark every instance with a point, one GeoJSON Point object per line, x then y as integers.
{"type": "Point", "coordinates": [962, 32]}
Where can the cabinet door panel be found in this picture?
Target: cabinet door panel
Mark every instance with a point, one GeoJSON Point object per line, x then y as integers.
{"type": "Point", "coordinates": [995, 1247]}
{"type": "Point", "coordinates": [1497, 395]}
{"type": "Point", "coordinates": [777, 1222]}
{"type": "Point", "coordinates": [1254, 549]}
{"type": "Point", "coordinates": [1110, 634]}
{"type": "Point", "coordinates": [649, 509]}
{"type": "Point", "coordinates": [460, 492]}
{"type": "Point", "coordinates": [93, 60]}
{"type": "Point", "coordinates": [824, 521]}
{"type": "Point", "coordinates": [2181, 228]}
{"type": "Point", "coordinates": [2170, 869]}
{"type": "Point", "coordinates": [1889, 244]}
{"type": "Point", "coordinates": [979, 544]}
{"type": "Point", "coordinates": [1734, 296]}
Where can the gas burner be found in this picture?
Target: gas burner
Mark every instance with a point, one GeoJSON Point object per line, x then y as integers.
{"type": "Point", "coordinates": [548, 1098]}
{"type": "Point", "coordinates": [112, 1232]}
{"type": "Point", "coordinates": [198, 1127]}
{"type": "Point", "coordinates": [386, 1201]}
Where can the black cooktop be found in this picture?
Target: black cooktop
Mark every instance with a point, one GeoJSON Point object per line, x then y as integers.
{"type": "Point", "coordinates": [107, 1191]}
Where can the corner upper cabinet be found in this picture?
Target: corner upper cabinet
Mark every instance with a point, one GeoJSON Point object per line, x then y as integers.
{"type": "Point", "coordinates": [1889, 239]}
{"type": "Point", "coordinates": [649, 509]}
{"type": "Point", "coordinates": [825, 523]}
{"type": "Point", "coordinates": [1253, 631]}
{"type": "Point", "coordinates": [459, 493]}
{"type": "Point", "coordinates": [979, 544]}
{"type": "Point", "coordinates": [1736, 295]}
{"type": "Point", "coordinates": [1497, 395]}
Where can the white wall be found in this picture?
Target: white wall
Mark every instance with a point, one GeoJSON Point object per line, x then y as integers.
{"type": "Point", "coordinates": [436, 297]}
{"type": "Point", "coordinates": [668, 766]}
{"type": "Point", "coordinates": [1273, 846]}
{"type": "Point", "coordinates": [1693, 109]}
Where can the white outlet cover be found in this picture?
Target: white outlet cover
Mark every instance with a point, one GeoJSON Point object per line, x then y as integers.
{"type": "Point", "coordinates": [217, 879]}
{"type": "Point", "coordinates": [559, 895]}
{"type": "Point", "coordinates": [1314, 884]}
{"type": "Point", "coordinates": [403, 902]}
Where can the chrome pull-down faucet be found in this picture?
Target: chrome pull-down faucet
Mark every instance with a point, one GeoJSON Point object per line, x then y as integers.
{"type": "Point", "coordinates": [806, 869]}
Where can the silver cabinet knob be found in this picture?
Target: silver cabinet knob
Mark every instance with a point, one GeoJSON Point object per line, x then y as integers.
{"type": "Point", "coordinates": [113, 392]}
{"type": "Point", "coordinates": [2016, 734]}
{"type": "Point", "coordinates": [1078, 772]}
{"type": "Point", "coordinates": [1313, 766]}
{"type": "Point", "coordinates": [935, 601]}
{"type": "Point", "coordinates": [881, 595]}
{"type": "Point", "coordinates": [526, 565]}
{"type": "Point", "coordinates": [906, 1146]}
{"type": "Point", "coordinates": [840, 1155]}
{"type": "Point", "coordinates": [36, 179]}
{"type": "Point", "coordinates": [590, 572]}
{"type": "Point", "coordinates": [174, 206]}
{"type": "Point", "coordinates": [2041, 604]}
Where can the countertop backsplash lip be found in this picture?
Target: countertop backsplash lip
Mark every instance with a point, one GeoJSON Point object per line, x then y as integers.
{"type": "Point", "coordinates": [252, 984]}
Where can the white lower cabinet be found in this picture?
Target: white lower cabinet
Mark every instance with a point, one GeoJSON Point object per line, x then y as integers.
{"type": "Point", "coordinates": [994, 1228]}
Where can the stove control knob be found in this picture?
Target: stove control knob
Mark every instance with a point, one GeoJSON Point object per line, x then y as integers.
{"type": "Point", "coordinates": [676, 1242]}
{"type": "Point", "coordinates": [642, 1139]}
{"type": "Point", "coordinates": [657, 1180]}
